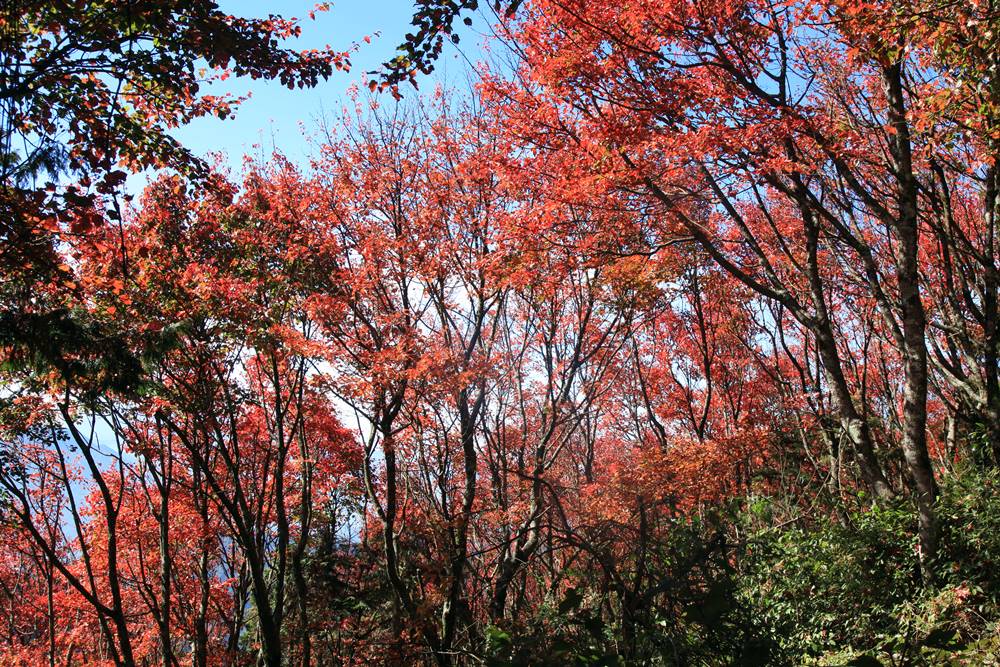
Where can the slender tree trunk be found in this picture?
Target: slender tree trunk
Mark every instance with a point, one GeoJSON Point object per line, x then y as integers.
{"type": "Point", "coordinates": [517, 554]}
{"type": "Point", "coordinates": [853, 424]}
{"type": "Point", "coordinates": [298, 569]}
{"type": "Point", "coordinates": [269, 625]}
{"type": "Point", "coordinates": [913, 322]}
{"type": "Point", "coordinates": [199, 657]}
{"type": "Point", "coordinates": [991, 325]}
{"type": "Point", "coordinates": [51, 612]}
{"type": "Point", "coordinates": [165, 571]}
{"type": "Point", "coordinates": [454, 609]}
{"type": "Point", "coordinates": [851, 419]}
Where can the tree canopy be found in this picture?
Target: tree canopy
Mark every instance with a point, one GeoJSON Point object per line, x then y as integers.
{"type": "Point", "coordinates": [675, 341]}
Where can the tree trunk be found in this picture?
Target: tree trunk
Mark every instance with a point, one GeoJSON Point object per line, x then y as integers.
{"type": "Point", "coordinates": [913, 322]}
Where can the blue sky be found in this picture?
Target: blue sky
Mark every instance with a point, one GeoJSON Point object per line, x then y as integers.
{"type": "Point", "coordinates": [276, 115]}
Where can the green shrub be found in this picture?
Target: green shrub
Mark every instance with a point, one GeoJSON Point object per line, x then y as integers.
{"type": "Point", "coordinates": [851, 594]}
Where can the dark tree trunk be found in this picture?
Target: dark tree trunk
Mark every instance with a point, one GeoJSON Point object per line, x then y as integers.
{"type": "Point", "coordinates": [913, 322]}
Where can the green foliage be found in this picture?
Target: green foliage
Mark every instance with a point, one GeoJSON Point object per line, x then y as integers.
{"type": "Point", "coordinates": [837, 594]}
{"type": "Point", "coordinates": [71, 347]}
{"type": "Point", "coordinates": [77, 348]}
{"type": "Point", "coordinates": [969, 512]}
{"type": "Point", "coordinates": [832, 585]}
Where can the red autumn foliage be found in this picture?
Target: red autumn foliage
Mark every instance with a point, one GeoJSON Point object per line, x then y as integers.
{"type": "Point", "coordinates": [479, 360]}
